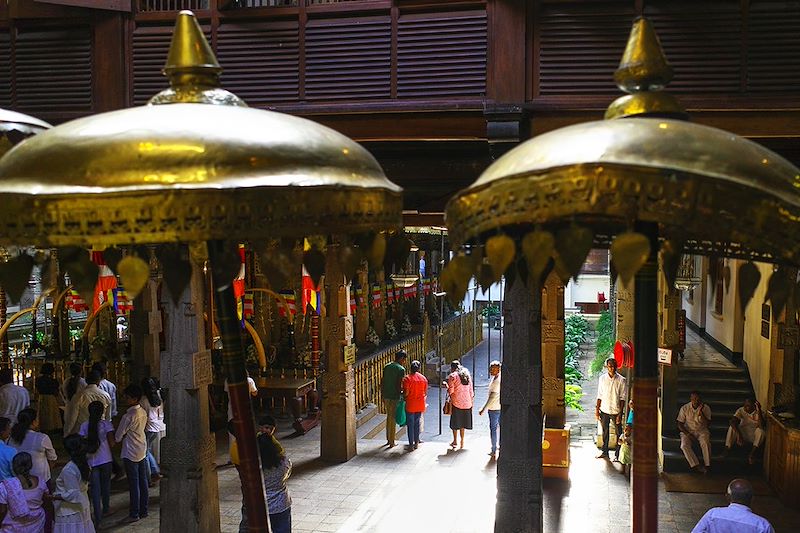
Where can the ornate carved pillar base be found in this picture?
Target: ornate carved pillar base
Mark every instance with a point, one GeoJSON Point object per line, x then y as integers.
{"type": "Point", "coordinates": [553, 351]}
{"type": "Point", "coordinates": [338, 439]}
{"type": "Point", "coordinates": [519, 469]}
{"type": "Point", "coordinates": [189, 490]}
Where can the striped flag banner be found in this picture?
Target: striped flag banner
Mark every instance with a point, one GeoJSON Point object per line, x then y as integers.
{"type": "Point", "coordinates": [390, 293]}
{"type": "Point", "coordinates": [352, 304]}
{"type": "Point", "coordinates": [291, 302]}
{"type": "Point", "coordinates": [248, 305]}
{"type": "Point", "coordinates": [376, 296]}
{"type": "Point", "coordinates": [122, 303]}
{"type": "Point", "coordinates": [410, 291]}
{"type": "Point", "coordinates": [75, 302]}
{"type": "Point", "coordinates": [426, 286]}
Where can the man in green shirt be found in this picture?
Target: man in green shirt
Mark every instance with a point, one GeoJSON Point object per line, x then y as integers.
{"type": "Point", "coordinates": [390, 388]}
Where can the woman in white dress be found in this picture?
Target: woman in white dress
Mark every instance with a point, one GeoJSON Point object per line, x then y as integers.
{"type": "Point", "coordinates": [26, 437]}
{"type": "Point", "coordinates": [71, 497]}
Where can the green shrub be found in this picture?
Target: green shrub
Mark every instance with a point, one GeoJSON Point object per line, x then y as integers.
{"type": "Point", "coordinates": [605, 343]}
{"type": "Point", "coordinates": [576, 329]}
{"type": "Point", "coordinates": [572, 396]}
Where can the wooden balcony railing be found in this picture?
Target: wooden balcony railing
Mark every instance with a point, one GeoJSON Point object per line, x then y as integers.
{"type": "Point", "coordinates": [27, 369]}
{"type": "Point", "coordinates": [171, 5]}
{"type": "Point", "coordinates": [459, 335]}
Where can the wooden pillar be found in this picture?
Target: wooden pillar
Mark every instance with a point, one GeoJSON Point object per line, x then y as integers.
{"type": "Point", "coordinates": [338, 439]}
{"type": "Point", "coordinates": [624, 305]}
{"type": "Point", "coordinates": [644, 475]}
{"type": "Point", "coordinates": [145, 328]}
{"type": "Point", "coordinates": [379, 316]}
{"type": "Point", "coordinates": [3, 310]}
{"type": "Point", "coordinates": [553, 351]}
{"type": "Point", "coordinates": [519, 468]}
{"type": "Point", "coordinates": [189, 491]}
{"type": "Point", "coordinates": [669, 337]}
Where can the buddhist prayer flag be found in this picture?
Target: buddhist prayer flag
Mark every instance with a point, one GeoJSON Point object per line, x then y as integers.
{"type": "Point", "coordinates": [238, 282]}
{"type": "Point", "coordinates": [291, 302]}
{"type": "Point", "coordinates": [248, 305]}
{"type": "Point", "coordinates": [106, 281]}
{"type": "Point", "coordinates": [311, 295]}
{"type": "Point", "coordinates": [376, 296]}
{"type": "Point", "coordinates": [352, 304]}
{"type": "Point", "coordinates": [75, 302]}
{"type": "Point", "coordinates": [122, 303]}
{"type": "Point", "coordinates": [390, 293]}
{"type": "Point", "coordinates": [426, 286]}
{"type": "Point", "coordinates": [410, 291]}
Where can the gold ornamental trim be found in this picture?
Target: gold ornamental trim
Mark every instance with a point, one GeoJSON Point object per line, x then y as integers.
{"type": "Point", "coordinates": [705, 212]}
{"type": "Point", "coordinates": [194, 215]}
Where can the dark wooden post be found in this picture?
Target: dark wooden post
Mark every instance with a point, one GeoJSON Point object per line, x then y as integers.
{"type": "Point", "coordinates": [239, 396]}
{"type": "Point", "coordinates": [644, 475]}
{"type": "Point", "coordinates": [519, 469]}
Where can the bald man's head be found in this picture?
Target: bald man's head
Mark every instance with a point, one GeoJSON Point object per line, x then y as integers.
{"type": "Point", "coordinates": [740, 491]}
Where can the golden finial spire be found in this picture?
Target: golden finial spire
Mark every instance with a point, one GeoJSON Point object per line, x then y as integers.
{"type": "Point", "coordinates": [192, 68]}
{"type": "Point", "coordinates": [643, 72]}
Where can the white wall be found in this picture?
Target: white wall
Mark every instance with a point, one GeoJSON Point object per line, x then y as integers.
{"type": "Point", "coordinates": [585, 289]}
{"type": "Point", "coordinates": [696, 308]}
{"type": "Point", "coordinates": [726, 328]}
{"type": "Point", "coordinates": [756, 347]}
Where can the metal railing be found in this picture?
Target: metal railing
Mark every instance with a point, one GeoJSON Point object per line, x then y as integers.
{"type": "Point", "coordinates": [171, 5]}
{"type": "Point", "coordinates": [459, 335]}
{"type": "Point", "coordinates": [26, 370]}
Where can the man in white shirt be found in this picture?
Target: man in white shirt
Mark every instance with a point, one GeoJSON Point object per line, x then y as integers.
{"type": "Point", "coordinates": [611, 393]}
{"type": "Point", "coordinates": [493, 405]}
{"type": "Point", "coordinates": [107, 387]}
{"type": "Point", "coordinates": [134, 452]}
{"type": "Point", "coordinates": [746, 428]}
{"type": "Point", "coordinates": [90, 393]}
{"type": "Point", "coordinates": [693, 421]}
{"type": "Point", "coordinates": [13, 398]}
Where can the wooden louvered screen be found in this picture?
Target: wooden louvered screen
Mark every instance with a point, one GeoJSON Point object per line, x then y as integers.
{"type": "Point", "coordinates": [261, 61]}
{"type": "Point", "coordinates": [441, 54]}
{"type": "Point", "coordinates": [773, 51]}
{"type": "Point", "coordinates": [5, 68]}
{"type": "Point", "coordinates": [150, 46]}
{"type": "Point", "coordinates": [579, 46]}
{"type": "Point", "coordinates": [702, 42]}
{"type": "Point", "coordinates": [53, 70]}
{"type": "Point", "coordinates": [348, 59]}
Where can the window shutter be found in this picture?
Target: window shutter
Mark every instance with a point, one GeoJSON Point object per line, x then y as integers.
{"type": "Point", "coordinates": [773, 52]}
{"type": "Point", "coordinates": [53, 70]}
{"type": "Point", "coordinates": [261, 61]}
{"type": "Point", "coordinates": [348, 59]}
{"type": "Point", "coordinates": [5, 68]}
{"type": "Point", "coordinates": [441, 54]}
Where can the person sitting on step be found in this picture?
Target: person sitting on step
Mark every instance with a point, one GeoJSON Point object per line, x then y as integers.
{"type": "Point", "coordinates": [746, 429]}
{"type": "Point", "coordinates": [693, 421]}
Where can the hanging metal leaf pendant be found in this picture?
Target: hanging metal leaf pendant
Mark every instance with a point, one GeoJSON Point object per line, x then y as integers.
{"type": "Point", "coordinates": [500, 251]}
{"type": "Point", "coordinates": [376, 250]}
{"type": "Point", "coordinates": [350, 259]}
{"type": "Point", "coordinates": [538, 247]}
{"type": "Point", "coordinates": [134, 273]}
{"type": "Point", "coordinates": [485, 276]}
{"type": "Point", "coordinates": [16, 273]}
{"type": "Point", "coordinates": [671, 253]}
{"type": "Point", "coordinates": [573, 245]}
{"type": "Point", "coordinates": [177, 270]}
{"type": "Point", "coordinates": [112, 257]}
{"type": "Point", "coordinates": [749, 277]}
{"type": "Point", "coordinates": [455, 278]}
{"type": "Point", "coordinates": [778, 290]}
{"type": "Point", "coordinates": [314, 261]}
{"type": "Point", "coordinates": [726, 277]}
{"type": "Point", "coordinates": [629, 252]}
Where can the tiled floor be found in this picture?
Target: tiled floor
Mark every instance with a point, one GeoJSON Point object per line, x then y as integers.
{"type": "Point", "coordinates": [436, 489]}
{"type": "Point", "coordinates": [700, 353]}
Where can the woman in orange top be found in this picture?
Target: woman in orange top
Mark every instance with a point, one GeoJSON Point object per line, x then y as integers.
{"type": "Point", "coordinates": [415, 390]}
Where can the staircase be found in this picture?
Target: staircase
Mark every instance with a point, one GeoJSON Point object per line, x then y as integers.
{"type": "Point", "coordinates": [370, 424]}
{"type": "Point", "coordinates": [724, 390]}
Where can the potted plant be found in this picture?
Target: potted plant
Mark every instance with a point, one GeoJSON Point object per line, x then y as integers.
{"type": "Point", "coordinates": [491, 312]}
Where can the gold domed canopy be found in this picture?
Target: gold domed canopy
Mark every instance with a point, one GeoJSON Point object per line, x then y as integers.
{"type": "Point", "coordinates": [190, 172]}
{"type": "Point", "coordinates": [717, 192]}
{"type": "Point", "coordinates": [16, 126]}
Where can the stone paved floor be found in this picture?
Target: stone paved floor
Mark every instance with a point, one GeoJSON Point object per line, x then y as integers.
{"type": "Point", "coordinates": [700, 353]}
{"type": "Point", "coordinates": [436, 489]}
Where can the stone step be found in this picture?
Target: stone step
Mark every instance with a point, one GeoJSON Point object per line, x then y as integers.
{"type": "Point", "coordinates": [735, 463]}
{"type": "Point", "coordinates": [710, 372]}
{"type": "Point", "coordinates": [366, 414]}
{"type": "Point", "coordinates": [375, 429]}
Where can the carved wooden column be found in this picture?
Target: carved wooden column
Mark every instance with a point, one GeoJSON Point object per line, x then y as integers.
{"type": "Point", "coordinates": [669, 337]}
{"type": "Point", "coordinates": [3, 309]}
{"type": "Point", "coordinates": [624, 310]}
{"type": "Point", "coordinates": [362, 312]}
{"type": "Point", "coordinates": [338, 439]}
{"type": "Point", "coordinates": [145, 328]}
{"type": "Point", "coordinates": [644, 475]}
{"type": "Point", "coordinates": [519, 468]}
{"type": "Point", "coordinates": [553, 351]}
{"type": "Point", "coordinates": [379, 316]}
{"type": "Point", "coordinates": [189, 491]}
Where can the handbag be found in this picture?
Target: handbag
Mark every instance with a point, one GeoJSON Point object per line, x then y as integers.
{"type": "Point", "coordinates": [448, 407]}
{"type": "Point", "coordinates": [400, 412]}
